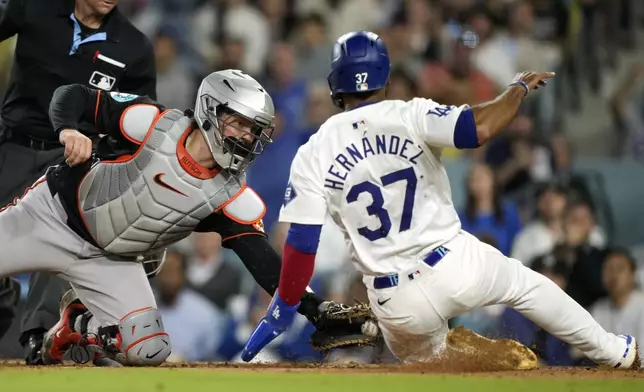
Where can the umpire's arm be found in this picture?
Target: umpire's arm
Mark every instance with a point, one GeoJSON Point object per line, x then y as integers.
{"type": "Point", "coordinates": [11, 17]}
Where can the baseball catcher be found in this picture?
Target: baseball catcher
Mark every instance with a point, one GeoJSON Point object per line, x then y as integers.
{"type": "Point", "coordinates": [155, 176]}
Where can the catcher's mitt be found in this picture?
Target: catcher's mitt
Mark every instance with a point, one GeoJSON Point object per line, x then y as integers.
{"type": "Point", "coordinates": [340, 325]}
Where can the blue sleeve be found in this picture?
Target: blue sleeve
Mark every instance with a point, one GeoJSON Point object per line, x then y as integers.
{"type": "Point", "coordinates": [304, 238]}
{"type": "Point", "coordinates": [465, 135]}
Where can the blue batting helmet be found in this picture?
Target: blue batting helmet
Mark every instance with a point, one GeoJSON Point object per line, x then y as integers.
{"type": "Point", "coordinates": [360, 63]}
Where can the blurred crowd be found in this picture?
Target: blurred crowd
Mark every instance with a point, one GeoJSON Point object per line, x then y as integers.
{"type": "Point", "coordinates": [522, 195]}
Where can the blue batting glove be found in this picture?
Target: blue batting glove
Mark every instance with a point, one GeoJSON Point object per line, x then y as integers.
{"type": "Point", "coordinates": [279, 317]}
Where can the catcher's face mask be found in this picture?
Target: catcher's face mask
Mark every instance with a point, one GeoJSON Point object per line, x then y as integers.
{"type": "Point", "coordinates": [236, 117]}
{"type": "Point", "coordinates": [235, 139]}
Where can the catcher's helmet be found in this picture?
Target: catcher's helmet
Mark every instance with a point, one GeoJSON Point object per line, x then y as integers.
{"type": "Point", "coordinates": [360, 63]}
{"type": "Point", "coordinates": [234, 92]}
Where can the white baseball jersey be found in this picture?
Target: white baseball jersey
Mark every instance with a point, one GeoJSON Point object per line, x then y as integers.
{"type": "Point", "coordinates": [377, 171]}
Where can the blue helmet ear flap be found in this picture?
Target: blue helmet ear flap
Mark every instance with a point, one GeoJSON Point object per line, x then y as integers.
{"type": "Point", "coordinates": [360, 64]}
{"type": "Point", "coordinates": [335, 98]}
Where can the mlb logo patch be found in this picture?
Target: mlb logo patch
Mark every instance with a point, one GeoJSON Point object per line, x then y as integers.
{"type": "Point", "coordinates": [362, 87]}
{"type": "Point", "coordinates": [102, 81]}
{"type": "Point", "coordinates": [413, 275]}
{"type": "Point", "coordinates": [290, 194]}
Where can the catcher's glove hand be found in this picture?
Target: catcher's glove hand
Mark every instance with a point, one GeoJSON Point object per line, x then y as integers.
{"type": "Point", "coordinates": [340, 325]}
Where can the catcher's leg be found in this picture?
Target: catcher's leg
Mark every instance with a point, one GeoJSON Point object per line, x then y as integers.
{"type": "Point", "coordinates": [122, 322]}
{"type": "Point", "coordinates": [34, 235]}
{"type": "Point", "coordinates": [488, 277]}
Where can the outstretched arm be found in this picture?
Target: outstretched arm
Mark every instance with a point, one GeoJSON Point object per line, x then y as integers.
{"type": "Point", "coordinates": [470, 127]}
{"type": "Point", "coordinates": [493, 116]}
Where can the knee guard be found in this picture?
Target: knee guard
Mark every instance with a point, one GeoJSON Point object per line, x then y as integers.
{"type": "Point", "coordinates": [144, 342]}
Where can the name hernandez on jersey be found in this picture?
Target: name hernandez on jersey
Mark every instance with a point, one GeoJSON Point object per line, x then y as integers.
{"type": "Point", "coordinates": [354, 153]}
{"type": "Point", "coordinates": [138, 194]}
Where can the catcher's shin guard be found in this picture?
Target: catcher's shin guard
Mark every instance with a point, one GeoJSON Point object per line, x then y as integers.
{"type": "Point", "coordinates": [143, 341]}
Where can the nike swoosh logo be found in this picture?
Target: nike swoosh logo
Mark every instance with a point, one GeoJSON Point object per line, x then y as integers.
{"type": "Point", "coordinates": [383, 302]}
{"type": "Point", "coordinates": [148, 356]}
{"type": "Point", "coordinates": [158, 179]}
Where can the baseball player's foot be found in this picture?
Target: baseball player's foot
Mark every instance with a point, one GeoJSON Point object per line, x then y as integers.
{"type": "Point", "coordinates": [631, 358]}
{"type": "Point", "coordinates": [62, 335]}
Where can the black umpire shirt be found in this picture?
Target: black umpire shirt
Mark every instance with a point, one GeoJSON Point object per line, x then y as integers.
{"type": "Point", "coordinates": [54, 49]}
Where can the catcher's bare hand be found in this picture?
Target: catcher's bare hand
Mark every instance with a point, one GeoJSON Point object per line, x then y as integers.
{"type": "Point", "coordinates": [78, 147]}
{"type": "Point", "coordinates": [534, 80]}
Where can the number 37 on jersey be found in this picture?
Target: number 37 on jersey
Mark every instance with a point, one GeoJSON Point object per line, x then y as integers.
{"type": "Point", "coordinates": [376, 208]}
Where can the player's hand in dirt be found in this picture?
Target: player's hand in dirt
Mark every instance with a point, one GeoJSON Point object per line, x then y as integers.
{"type": "Point", "coordinates": [533, 80]}
{"type": "Point", "coordinates": [78, 147]}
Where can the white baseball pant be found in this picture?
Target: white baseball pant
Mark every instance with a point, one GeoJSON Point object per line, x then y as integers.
{"type": "Point", "coordinates": [413, 315]}
{"type": "Point", "coordinates": [35, 237]}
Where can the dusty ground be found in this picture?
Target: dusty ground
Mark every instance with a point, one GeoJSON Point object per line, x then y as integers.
{"type": "Point", "coordinates": [460, 369]}
{"type": "Point", "coordinates": [467, 354]}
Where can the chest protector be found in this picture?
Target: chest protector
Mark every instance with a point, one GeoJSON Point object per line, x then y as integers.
{"type": "Point", "coordinates": [144, 203]}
